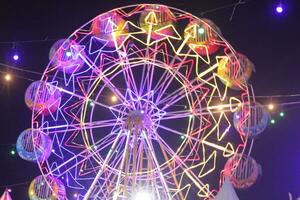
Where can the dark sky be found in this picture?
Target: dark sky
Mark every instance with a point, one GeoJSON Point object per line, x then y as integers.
{"type": "Point", "coordinates": [269, 40]}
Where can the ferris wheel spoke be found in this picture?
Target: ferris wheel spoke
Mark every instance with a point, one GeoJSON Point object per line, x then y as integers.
{"type": "Point", "coordinates": [162, 79]}
{"type": "Point", "coordinates": [182, 59]}
{"type": "Point", "coordinates": [173, 99]}
{"type": "Point", "coordinates": [66, 91]}
{"type": "Point", "coordinates": [129, 78]}
{"type": "Point", "coordinates": [112, 108]}
{"type": "Point", "coordinates": [185, 168]}
{"type": "Point", "coordinates": [105, 162]}
{"type": "Point", "coordinates": [174, 72]}
{"type": "Point", "coordinates": [182, 91]}
{"type": "Point", "coordinates": [143, 81]}
{"type": "Point", "coordinates": [114, 89]}
{"type": "Point", "coordinates": [167, 82]}
{"type": "Point", "coordinates": [172, 164]}
{"type": "Point", "coordinates": [124, 156]}
{"type": "Point", "coordinates": [182, 114]}
{"type": "Point", "coordinates": [164, 85]}
{"type": "Point", "coordinates": [206, 111]}
{"type": "Point", "coordinates": [147, 79]}
{"type": "Point", "coordinates": [81, 126]}
{"type": "Point", "coordinates": [160, 174]}
{"type": "Point", "coordinates": [203, 141]}
{"type": "Point", "coordinates": [111, 176]}
{"type": "Point", "coordinates": [149, 65]}
{"type": "Point", "coordinates": [85, 99]}
{"type": "Point", "coordinates": [103, 77]}
{"type": "Point", "coordinates": [179, 133]}
{"type": "Point", "coordinates": [83, 155]}
{"type": "Point", "coordinates": [89, 63]}
{"type": "Point", "coordinates": [179, 94]}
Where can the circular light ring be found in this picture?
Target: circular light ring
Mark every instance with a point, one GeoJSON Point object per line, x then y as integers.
{"type": "Point", "coordinates": [65, 56]}
{"type": "Point", "coordinates": [46, 188]}
{"type": "Point", "coordinates": [251, 119]}
{"type": "Point", "coordinates": [156, 112]}
{"type": "Point", "coordinates": [33, 145]}
{"type": "Point", "coordinates": [243, 171]}
{"type": "Point", "coordinates": [42, 97]}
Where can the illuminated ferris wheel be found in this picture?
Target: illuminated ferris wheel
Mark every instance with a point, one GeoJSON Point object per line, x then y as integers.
{"type": "Point", "coordinates": [138, 104]}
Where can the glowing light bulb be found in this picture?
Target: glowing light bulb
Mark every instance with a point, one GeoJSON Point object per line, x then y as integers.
{"type": "Point", "coordinates": [182, 137]}
{"type": "Point", "coordinates": [16, 57]}
{"type": "Point", "coordinates": [201, 30]}
{"type": "Point", "coordinates": [281, 114]}
{"type": "Point", "coordinates": [271, 106]}
{"type": "Point", "coordinates": [68, 53]}
{"type": "Point", "coordinates": [114, 99]}
{"type": "Point", "coordinates": [7, 77]}
{"type": "Point", "coordinates": [142, 195]}
{"type": "Point", "coordinates": [13, 152]}
{"type": "Point", "coordinates": [273, 121]}
{"type": "Point", "coordinates": [279, 8]}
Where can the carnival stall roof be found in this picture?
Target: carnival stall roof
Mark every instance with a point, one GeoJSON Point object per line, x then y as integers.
{"type": "Point", "coordinates": [227, 191]}
{"type": "Point", "coordinates": [6, 195]}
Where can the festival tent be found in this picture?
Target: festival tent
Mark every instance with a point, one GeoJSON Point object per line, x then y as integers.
{"type": "Point", "coordinates": [226, 191]}
{"type": "Point", "coordinates": [6, 195]}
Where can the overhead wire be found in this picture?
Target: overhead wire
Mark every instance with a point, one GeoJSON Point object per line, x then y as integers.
{"type": "Point", "coordinates": [30, 41]}
{"type": "Point", "coordinates": [15, 184]}
{"type": "Point", "coordinates": [21, 69]}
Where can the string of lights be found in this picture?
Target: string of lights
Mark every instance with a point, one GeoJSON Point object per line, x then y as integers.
{"type": "Point", "coordinates": [21, 69]}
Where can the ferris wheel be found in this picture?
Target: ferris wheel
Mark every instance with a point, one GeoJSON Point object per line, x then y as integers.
{"type": "Point", "coordinates": [138, 103]}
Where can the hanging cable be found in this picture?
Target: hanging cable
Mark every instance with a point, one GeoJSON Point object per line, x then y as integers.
{"type": "Point", "coordinates": [15, 184]}
{"type": "Point", "coordinates": [240, 2]}
{"type": "Point", "coordinates": [30, 41]}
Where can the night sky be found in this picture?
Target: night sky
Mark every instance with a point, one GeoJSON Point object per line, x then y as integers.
{"type": "Point", "coordinates": [270, 40]}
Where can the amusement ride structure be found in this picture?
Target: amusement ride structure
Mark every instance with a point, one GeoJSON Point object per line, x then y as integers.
{"type": "Point", "coordinates": [142, 102]}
